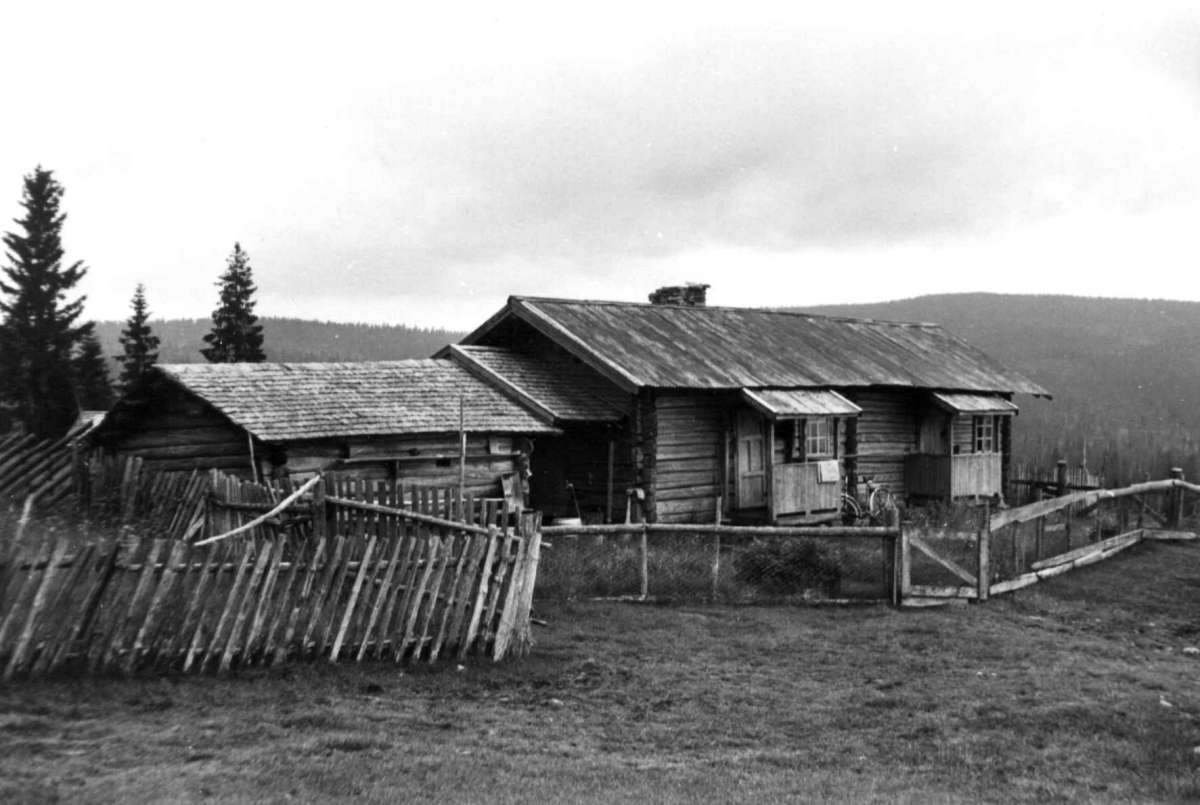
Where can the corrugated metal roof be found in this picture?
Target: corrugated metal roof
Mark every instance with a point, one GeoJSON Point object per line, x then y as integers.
{"type": "Point", "coordinates": [670, 346]}
{"type": "Point", "coordinates": [564, 390]}
{"type": "Point", "coordinates": [289, 401]}
{"type": "Point", "coordinates": [975, 403]}
{"type": "Point", "coordinates": [800, 402]}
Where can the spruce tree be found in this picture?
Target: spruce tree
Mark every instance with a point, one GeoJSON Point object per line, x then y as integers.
{"type": "Point", "coordinates": [92, 383]}
{"type": "Point", "coordinates": [40, 330]}
{"type": "Point", "coordinates": [139, 344]}
{"type": "Point", "coordinates": [236, 335]}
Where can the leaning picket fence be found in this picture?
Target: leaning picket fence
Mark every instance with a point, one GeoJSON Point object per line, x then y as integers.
{"type": "Point", "coordinates": [401, 586]}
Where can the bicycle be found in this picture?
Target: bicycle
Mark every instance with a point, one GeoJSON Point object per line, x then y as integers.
{"type": "Point", "coordinates": [880, 501]}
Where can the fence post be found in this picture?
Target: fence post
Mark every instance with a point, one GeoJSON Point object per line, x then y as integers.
{"type": "Point", "coordinates": [1060, 477]}
{"type": "Point", "coordinates": [889, 556]}
{"type": "Point", "coordinates": [1175, 518]}
{"type": "Point", "coordinates": [645, 562]}
{"type": "Point", "coordinates": [983, 578]}
{"type": "Point", "coordinates": [318, 510]}
{"type": "Point", "coordinates": [716, 564]}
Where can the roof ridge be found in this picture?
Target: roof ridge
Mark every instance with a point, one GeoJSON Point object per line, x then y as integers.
{"type": "Point", "coordinates": [772, 310]}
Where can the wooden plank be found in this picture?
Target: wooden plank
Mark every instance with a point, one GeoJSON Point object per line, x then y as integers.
{"type": "Point", "coordinates": [25, 592]}
{"type": "Point", "coordinates": [170, 574]}
{"type": "Point", "coordinates": [194, 610]}
{"type": "Point", "coordinates": [381, 599]}
{"type": "Point", "coordinates": [1040, 509]}
{"type": "Point", "coordinates": [91, 609]}
{"type": "Point", "coordinates": [1165, 534]}
{"type": "Point", "coordinates": [334, 599]}
{"type": "Point", "coordinates": [1020, 582]}
{"type": "Point", "coordinates": [453, 591]}
{"type": "Point", "coordinates": [953, 567]}
{"type": "Point", "coordinates": [432, 551]}
{"type": "Point", "coordinates": [243, 609]}
{"type": "Point", "coordinates": [316, 606]}
{"type": "Point", "coordinates": [64, 616]}
{"type": "Point", "coordinates": [364, 569]}
{"type": "Point", "coordinates": [284, 606]}
{"type": "Point", "coordinates": [44, 592]}
{"type": "Point", "coordinates": [265, 604]}
{"type": "Point", "coordinates": [296, 618]}
{"type": "Point", "coordinates": [125, 627]}
{"type": "Point", "coordinates": [1102, 545]}
{"type": "Point", "coordinates": [227, 611]}
{"type": "Point", "coordinates": [477, 610]}
{"type": "Point", "coordinates": [932, 591]}
{"type": "Point", "coordinates": [434, 593]}
{"type": "Point", "coordinates": [472, 572]}
{"type": "Point", "coordinates": [397, 607]}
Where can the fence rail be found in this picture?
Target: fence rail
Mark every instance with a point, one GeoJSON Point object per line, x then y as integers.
{"type": "Point", "coordinates": [1015, 548]}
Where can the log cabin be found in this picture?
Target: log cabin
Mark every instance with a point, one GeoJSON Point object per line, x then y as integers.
{"type": "Point", "coordinates": [694, 413]}
{"type": "Point", "coordinates": [402, 420]}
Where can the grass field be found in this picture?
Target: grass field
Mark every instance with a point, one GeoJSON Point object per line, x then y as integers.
{"type": "Point", "coordinates": [1075, 689]}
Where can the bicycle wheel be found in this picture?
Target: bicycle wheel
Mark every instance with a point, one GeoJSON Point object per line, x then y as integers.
{"type": "Point", "coordinates": [851, 510]}
{"type": "Point", "coordinates": [880, 503]}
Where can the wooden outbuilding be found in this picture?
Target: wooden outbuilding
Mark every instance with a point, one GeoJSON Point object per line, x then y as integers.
{"type": "Point", "coordinates": [750, 414]}
{"type": "Point", "coordinates": [404, 420]}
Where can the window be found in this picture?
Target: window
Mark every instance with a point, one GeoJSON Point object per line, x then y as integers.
{"type": "Point", "coordinates": [818, 437]}
{"type": "Point", "coordinates": [985, 434]}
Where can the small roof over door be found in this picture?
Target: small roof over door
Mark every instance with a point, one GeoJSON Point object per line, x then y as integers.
{"type": "Point", "coordinates": [792, 403]}
{"type": "Point", "coordinates": [974, 403]}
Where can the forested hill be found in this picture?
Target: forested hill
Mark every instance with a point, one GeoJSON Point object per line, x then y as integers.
{"type": "Point", "coordinates": [1125, 373]}
{"type": "Point", "coordinates": [294, 340]}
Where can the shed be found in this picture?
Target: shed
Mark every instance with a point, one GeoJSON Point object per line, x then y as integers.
{"type": "Point", "coordinates": [374, 420]}
{"type": "Point", "coordinates": [753, 414]}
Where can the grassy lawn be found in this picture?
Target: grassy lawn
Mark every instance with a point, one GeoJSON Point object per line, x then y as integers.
{"type": "Point", "coordinates": [1075, 689]}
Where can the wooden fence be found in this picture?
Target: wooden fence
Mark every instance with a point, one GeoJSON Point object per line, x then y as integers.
{"type": "Point", "coordinates": [402, 586]}
{"type": "Point", "coordinates": [38, 471]}
{"type": "Point", "coordinates": [1017, 547]}
{"type": "Point", "coordinates": [1028, 483]}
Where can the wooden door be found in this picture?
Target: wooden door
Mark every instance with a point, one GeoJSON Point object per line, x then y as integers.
{"type": "Point", "coordinates": [751, 461]}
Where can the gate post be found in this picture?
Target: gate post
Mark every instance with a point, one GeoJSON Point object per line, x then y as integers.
{"type": "Point", "coordinates": [1060, 477]}
{"type": "Point", "coordinates": [983, 578]}
{"type": "Point", "coordinates": [1175, 514]}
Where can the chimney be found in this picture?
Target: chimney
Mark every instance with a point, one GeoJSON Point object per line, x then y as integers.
{"type": "Point", "coordinates": [691, 295]}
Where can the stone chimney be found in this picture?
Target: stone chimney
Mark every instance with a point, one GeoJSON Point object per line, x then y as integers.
{"type": "Point", "coordinates": [691, 295]}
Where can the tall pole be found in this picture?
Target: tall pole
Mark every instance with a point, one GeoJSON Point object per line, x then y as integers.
{"type": "Point", "coordinates": [462, 456]}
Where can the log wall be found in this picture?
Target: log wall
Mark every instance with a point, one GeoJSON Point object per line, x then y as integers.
{"type": "Point", "coordinates": [183, 433]}
{"type": "Point", "coordinates": [688, 435]}
{"type": "Point", "coordinates": [887, 433]}
{"type": "Point", "coordinates": [581, 456]}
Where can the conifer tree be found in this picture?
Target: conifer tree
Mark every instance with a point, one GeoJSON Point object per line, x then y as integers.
{"type": "Point", "coordinates": [40, 330]}
{"type": "Point", "coordinates": [92, 383]}
{"type": "Point", "coordinates": [236, 335]}
{"type": "Point", "coordinates": [139, 344]}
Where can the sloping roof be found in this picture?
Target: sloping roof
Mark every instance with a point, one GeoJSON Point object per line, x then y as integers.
{"type": "Point", "coordinates": [975, 403]}
{"type": "Point", "coordinates": [289, 401]}
{"type": "Point", "coordinates": [562, 390]}
{"type": "Point", "coordinates": [800, 402]}
{"type": "Point", "coordinates": [675, 346]}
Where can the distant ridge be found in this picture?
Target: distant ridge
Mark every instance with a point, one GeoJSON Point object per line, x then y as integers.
{"type": "Point", "coordinates": [294, 340]}
{"type": "Point", "coordinates": [1125, 373]}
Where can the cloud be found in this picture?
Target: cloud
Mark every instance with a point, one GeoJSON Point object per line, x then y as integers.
{"type": "Point", "coordinates": [419, 167]}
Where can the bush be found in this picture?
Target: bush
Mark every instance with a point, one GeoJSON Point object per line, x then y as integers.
{"type": "Point", "coordinates": [781, 567]}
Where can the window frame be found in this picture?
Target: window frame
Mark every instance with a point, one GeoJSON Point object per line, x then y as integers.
{"type": "Point", "coordinates": [984, 434]}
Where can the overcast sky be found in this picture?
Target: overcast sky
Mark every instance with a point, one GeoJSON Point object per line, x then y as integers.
{"type": "Point", "coordinates": [382, 164]}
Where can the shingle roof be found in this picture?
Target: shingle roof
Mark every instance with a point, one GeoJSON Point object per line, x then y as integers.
{"type": "Point", "coordinates": [288, 401]}
{"type": "Point", "coordinates": [563, 389]}
{"type": "Point", "coordinates": [674, 346]}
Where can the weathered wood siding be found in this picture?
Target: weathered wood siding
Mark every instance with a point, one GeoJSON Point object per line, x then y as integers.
{"type": "Point", "coordinates": [887, 433]}
{"type": "Point", "coordinates": [688, 434]}
{"type": "Point", "coordinates": [430, 459]}
{"type": "Point", "coordinates": [182, 433]}
{"type": "Point", "coordinates": [977, 474]}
